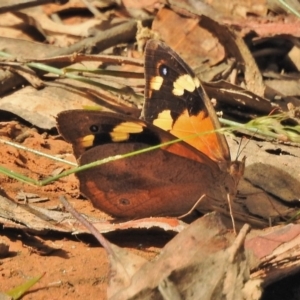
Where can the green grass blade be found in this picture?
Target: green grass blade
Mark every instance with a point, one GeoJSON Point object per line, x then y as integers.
{"type": "Point", "coordinates": [19, 291]}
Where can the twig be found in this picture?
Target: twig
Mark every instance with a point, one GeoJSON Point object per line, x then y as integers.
{"type": "Point", "coordinates": [9, 6]}
{"type": "Point", "coordinates": [105, 244]}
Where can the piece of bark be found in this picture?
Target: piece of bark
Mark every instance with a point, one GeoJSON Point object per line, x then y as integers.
{"type": "Point", "coordinates": [37, 220]}
{"type": "Point", "coordinates": [199, 263]}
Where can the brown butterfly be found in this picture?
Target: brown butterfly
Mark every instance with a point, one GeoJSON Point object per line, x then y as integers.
{"type": "Point", "coordinates": [170, 179]}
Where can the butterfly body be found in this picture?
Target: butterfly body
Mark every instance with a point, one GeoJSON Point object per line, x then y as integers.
{"type": "Point", "coordinates": [170, 179]}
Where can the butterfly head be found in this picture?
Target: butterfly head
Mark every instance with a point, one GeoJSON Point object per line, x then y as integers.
{"type": "Point", "coordinates": [236, 170]}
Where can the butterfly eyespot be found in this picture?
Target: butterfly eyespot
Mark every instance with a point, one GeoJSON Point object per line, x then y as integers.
{"type": "Point", "coordinates": [94, 128]}
{"type": "Point", "coordinates": [163, 70]}
{"type": "Point", "coordinates": [124, 201]}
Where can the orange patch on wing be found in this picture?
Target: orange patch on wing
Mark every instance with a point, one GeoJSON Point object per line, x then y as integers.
{"type": "Point", "coordinates": [189, 152]}
{"type": "Point", "coordinates": [205, 142]}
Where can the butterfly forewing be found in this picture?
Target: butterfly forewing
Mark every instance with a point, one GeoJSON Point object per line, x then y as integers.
{"type": "Point", "coordinates": [176, 102]}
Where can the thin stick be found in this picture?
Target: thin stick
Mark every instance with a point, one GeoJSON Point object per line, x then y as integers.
{"type": "Point", "coordinates": [231, 213]}
{"type": "Point", "coordinates": [105, 244]}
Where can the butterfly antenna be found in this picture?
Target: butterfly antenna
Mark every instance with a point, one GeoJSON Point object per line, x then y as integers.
{"type": "Point", "coordinates": [240, 150]}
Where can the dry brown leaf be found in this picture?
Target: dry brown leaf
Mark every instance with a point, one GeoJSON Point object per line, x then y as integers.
{"type": "Point", "coordinates": [216, 43]}
{"type": "Point", "coordinates": [145, 4]}
{"type": "Point", "coordinates": [123, 265]}
{"type": "Point", "coordinates": [288, 26]}
{"type": "Point", "coordinates": [237, 8]}
{"type": "Point", "coordinates": [185, 36]}
{"type": "Point", "coordinates": [277, 251]}
{"type": "Point", "coordinates": [273, 174]}
{"type": "Point", "coordinates": [285, 88]}
{"type": "Point", "coordinates": [235, 96]}
{"type": "Point", "coordinates": [199, 263]}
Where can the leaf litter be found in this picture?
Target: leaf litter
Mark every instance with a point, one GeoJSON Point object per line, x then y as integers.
{"type": "Point", "coordinates": [257, 65]}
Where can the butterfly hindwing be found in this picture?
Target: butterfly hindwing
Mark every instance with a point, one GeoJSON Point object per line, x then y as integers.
{"type": "Point", "coordinates": [154, 183]}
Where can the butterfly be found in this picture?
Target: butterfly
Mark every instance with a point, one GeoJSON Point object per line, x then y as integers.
{"type": "Point", "coordinates": [166, 181]}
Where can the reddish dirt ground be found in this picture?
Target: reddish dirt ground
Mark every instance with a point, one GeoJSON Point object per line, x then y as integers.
{"type": "Point", "coordinates": [78, 268]}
